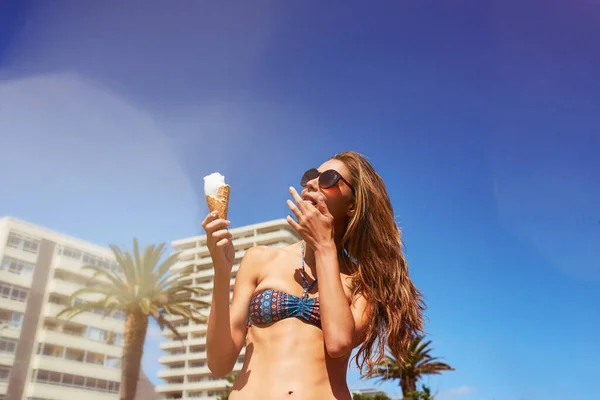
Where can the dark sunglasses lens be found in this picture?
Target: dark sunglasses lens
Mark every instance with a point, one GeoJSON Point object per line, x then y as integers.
{"type": "Point", "coordinates": [309, 176]}
{"type": "Point", "coordinates": [328, 179]}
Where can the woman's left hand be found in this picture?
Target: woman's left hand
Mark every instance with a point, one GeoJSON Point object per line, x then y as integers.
{"type": "Point", "coordinates": [315, 224]}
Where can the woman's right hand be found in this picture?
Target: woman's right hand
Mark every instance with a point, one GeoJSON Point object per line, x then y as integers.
{"type": "Point", "coordinates": [220, 245]}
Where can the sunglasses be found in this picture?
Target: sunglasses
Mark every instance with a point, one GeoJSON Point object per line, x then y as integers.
{"type": "Point", "coordinates": [327, 179]}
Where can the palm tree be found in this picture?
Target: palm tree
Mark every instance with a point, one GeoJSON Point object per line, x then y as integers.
{"type": "Point", "coordinates": [424, 394]}
{"type": "Point", "coordinates": [418, 363]}
{"type": "Point", "coordinates": [141, 287]}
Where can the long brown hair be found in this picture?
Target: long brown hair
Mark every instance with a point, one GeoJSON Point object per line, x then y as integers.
{"type": "Point", "coordinates": [372, 248]}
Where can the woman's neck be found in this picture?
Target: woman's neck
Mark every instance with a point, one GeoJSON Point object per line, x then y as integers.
{"type": "Point", "coordinates": [309, 253]}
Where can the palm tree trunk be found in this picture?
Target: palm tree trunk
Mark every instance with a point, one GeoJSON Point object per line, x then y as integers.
{"type": "Point", "coordinates": [408, 385]}
{"type": "Point", "coordinates": [136, 325]}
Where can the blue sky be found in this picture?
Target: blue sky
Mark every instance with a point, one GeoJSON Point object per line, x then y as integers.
{"type": "Point", "coordinates": [480, 116]}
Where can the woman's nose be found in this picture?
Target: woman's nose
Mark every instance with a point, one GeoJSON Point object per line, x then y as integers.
{"type": "Point", "coordinates": [313, 184]}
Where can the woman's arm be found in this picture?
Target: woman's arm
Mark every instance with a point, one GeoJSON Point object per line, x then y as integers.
{"type": "Point", "coordinates": [342, 323]}
{"type": "Point", "coordinates": [227, 324]}
{"type": "Point", "coordinates": [337, 321]}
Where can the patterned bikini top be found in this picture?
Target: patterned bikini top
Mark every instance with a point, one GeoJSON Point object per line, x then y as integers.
{"type": "Point", "coordinates": [273, 305]}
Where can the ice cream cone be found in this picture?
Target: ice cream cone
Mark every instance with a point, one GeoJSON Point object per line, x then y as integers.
{"type": "Point", "coordinates": [219, 202]}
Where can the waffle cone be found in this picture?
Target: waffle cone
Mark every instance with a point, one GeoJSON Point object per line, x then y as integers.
{"type": "Point", "coordinates": [220, 202]}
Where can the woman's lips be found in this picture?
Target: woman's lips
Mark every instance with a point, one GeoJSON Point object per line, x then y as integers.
{"type": "Point", "coordinates": [310, 199]}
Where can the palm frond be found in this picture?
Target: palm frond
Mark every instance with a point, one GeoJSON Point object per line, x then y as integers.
{"type": "Point", "coordinates": [78, 308]}
{"type": "Point", "coordinates": [124, 264]}
{"type": "Point", "coordinates": [114, 278]}
{"type": "Point", "coordinates": [137, 262]}
{"type": "Point", "coordinates": [162, 322]}
{"type": "Point", "coordinates": [186, 302]}
{"type": "Point", "coordinates": [145, 305]}
{"type": "Point", "coordinates": [92, 290]}
{"type": "Point", "coordinates": [167, 265]}
{"type": "Point", "coordinates": [178, 290]}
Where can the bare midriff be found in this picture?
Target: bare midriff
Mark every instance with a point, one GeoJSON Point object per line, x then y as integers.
{"type": "Point", "coordinates": [287, 359]}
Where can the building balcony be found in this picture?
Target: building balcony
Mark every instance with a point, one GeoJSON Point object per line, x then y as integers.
{"type": "Point", "coordinates": [79, 342]}
{"type": "Point", "coordinates": [189, 356]}
{"type": "Point", "coordinates": [172, 372]}
{"type": "Point", "coordinates": [184, 330]}
{"type": "Point", "coordinates": [10, 331]}
{"type": "Point", "coordinates": [220, 384]}
{"type": "Point", "coordinates": [195, 356]}
{"type": "Point", "coordinates": [176, 344]}
{"type": "Point", "coordinates": [173, 344]}
{"type": "Point", "coordinates": [72, 265]}
{"type": "Point", "coordinates": [48, 391]}
{"type": "Point", "coordinates": [76, 368]}
{"type": "Point", "coordinates": [16, 280]}
{"type": "Point", "coordinates": [205, 273]}
{"type": "Point", "coordinates": [89, 319]}
{"type": "Point", "coordinates": [7, 358]}
{"type": "Point", "coordinates": [173, 358]}
{"type": "Point", "coordinates": [13, 305]}
{"type": "Point", "coordinates": [178, 372]}
{"type": "Point", "coordinates": [20, 254]}
{"type": "Point", "coordinates": [191, 386]}
{"type": "Point", "coordinates": [63, 287]}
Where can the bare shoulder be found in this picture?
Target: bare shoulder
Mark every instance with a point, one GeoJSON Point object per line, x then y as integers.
{"type": "Point", "coordinates": [260, 253]}
{"type": "Point", "coordinates": [257, 256]}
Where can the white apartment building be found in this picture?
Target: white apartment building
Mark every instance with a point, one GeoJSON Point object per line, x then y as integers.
{"type": "Point", "coordinates": [42, 357]}
{"type": "Point", "coordinates": [185, 372]}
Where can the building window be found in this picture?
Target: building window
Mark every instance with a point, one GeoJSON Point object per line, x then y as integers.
{"type": "Point", "coordinates": [13, 292]}
{"type": "Point", "coordinates": [70, 252]}
{"type": "Point", "coordinates": [4, 372]}
{"type": "Point", "coordinates": [74, 355]}
{"type": "Point", "coordinates": [52, 350]}
{"type": "Point", "coordinates": [58, 299]}
{"type": "Point", "coordinates": [63, 379]}
{"type": "Point", "coordinates": [89, 259]}
{"type": "Point", "coordinates": [8, 345]}
{"type": "Point", "coordinates": [14, 240]}
{"type": "Point", "coordinates": [119, 339]}
{"type": "Point", "coordinates": [74, 329]}
{"type": "Point", "coordinates": [94, 358]}
{"type": "Point", "coordinates": [112, 362]}
{"type": "Point", "coordinates": [31, 246]}
{"type": "Point", "coordinates": [12, 318]}
{"type": "Point", "coordinates": [96, 334]}
{"type": "Point", "coordinates": [197, 364]}
{"type": "Point", "coordinates": [17, 267]}
{"type": "Point", "coordinates": [23, 242]}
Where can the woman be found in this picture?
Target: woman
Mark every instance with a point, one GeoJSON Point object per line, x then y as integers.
{"type": "Point", "coordinates": [302, 309]}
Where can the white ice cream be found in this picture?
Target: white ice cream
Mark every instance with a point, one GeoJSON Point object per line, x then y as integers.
{"type": "Point", "coordinates": [212, 182]}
